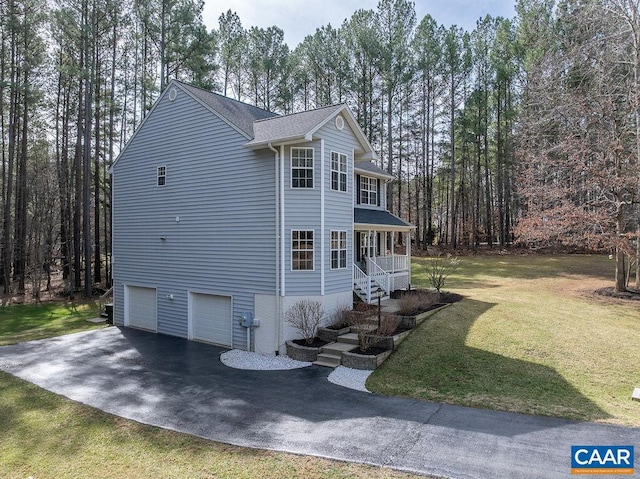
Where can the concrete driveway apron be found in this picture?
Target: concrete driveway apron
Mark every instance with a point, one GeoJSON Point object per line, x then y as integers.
{"type": "Point", "coordinates": [181, 385]}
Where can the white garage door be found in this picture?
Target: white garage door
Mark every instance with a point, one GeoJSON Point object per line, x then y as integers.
{"type": "Point", "coordinates": [141, 308]}
{"type": "Point", "coordinates": [211, 318]}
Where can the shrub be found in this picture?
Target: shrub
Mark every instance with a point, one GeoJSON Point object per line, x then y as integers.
{"type": "Point", "coordinates": [341, 316]}
{"type": "Point", "coordinates": [305, 316]}
{"type": "Point", "coordinates": [388, 325]}
{"type": "Point", "coordinates": [365, 327]}
{"type": "Point", "coordinates": [439, 268]}
{"type": "Point", "coordinates": [416, 302]}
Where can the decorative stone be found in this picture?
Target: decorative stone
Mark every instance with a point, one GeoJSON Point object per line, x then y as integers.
{"type": "Point", "coordinates": [302, 353]}
{"type": "Point", "coordinates": [636, 394]}
{"type": "Point", "coordinates": [364, 361]}
{"type": "Point", "coordinates": [331, 335]}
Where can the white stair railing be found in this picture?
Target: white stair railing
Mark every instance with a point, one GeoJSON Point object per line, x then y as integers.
{"type": "Point", "coordinates": [379, 275]}
{"type": "Point", "coordinates": [361, 280]}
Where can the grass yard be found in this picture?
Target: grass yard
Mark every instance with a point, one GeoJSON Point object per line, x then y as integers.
{"type": "Point", "coordinates": [530, 336]}
{"type": "Point", "coordinates": [19, 323]}
{"type": "Point", "coordinates": [45, 436]}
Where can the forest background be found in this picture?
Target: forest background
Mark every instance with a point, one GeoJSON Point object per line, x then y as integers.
{"type": "Point", "coordinates": [524, 131]}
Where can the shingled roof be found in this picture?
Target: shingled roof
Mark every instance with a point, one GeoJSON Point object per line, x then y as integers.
{"type": "Point", "coordinates": [371, 168]}
{"type": "Point", "coordinates": [290, 127]}
{"type": "Point", "coordinates": [239, 114]}
{"type": "Point", "coordinates": [365, 216]}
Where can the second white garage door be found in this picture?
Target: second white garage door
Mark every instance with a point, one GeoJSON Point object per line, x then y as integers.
{"type": "Point", "coordinates": [211, 317]}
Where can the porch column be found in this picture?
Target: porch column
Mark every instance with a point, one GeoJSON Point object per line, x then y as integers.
{"type": "Point", "coordinates": [409, 256]}
{"type": "Point", "coordinates": [393, 252]}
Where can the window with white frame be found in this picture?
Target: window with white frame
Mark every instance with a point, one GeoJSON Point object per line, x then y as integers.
{"type": "Point", "coordinates": [338, 249]}
{"type": "Point", "coordinates": [162, 175]}
{"type": "Point", "coordinates": [302, 250]}
{"type": "Point", "coordinates": [338, 171]}
{"type": "Point", "coordinates": [301, 167]}
{"type": "Point", "coordinates": [368, 191]}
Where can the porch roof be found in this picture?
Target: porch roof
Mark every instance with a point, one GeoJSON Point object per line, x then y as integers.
{"type": "Point", "coordinates": [367, 218]}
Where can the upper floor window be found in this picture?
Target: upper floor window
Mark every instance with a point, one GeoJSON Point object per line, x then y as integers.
{"type": "Point", "coordinates": [301, 167]}
{"type": "Point", "coordinates": [301, 250]}
{"type": "Point", "coordinates": [368, 191]}
{"type": "Point", "coordinates": [338, 171]}
{"type": "Point", "coordinates": [162, 175]}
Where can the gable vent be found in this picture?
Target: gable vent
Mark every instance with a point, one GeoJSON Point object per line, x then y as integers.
{"type": "Point", "coordinates": [339, 122]}
{"type": "Point", "coordinates": [173, 93]}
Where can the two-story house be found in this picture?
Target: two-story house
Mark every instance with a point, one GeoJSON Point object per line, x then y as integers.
{"type": "Point", "coordinates": [225, 215]}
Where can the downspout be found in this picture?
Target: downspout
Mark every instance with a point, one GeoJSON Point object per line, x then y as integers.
{"type": "Point", "coordinates": [279, 246]}
{"type": "Point", "coordinates": [322, 239]}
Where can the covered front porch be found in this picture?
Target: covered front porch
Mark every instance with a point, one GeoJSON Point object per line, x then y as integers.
{"type": "Point", "coordinates": [380, 264]}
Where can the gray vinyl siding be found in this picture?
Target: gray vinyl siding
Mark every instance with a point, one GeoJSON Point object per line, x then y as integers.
{"type": "Point", "coordinates": [302, 212]}
{"type": "Point", "coordinates": [224, 196]}
{"type": "Point", "coordinates": [338, 205]}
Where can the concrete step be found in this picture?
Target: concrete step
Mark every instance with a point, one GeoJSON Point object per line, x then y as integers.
{"type": "Point", "coordinates": [349, 338]}
{"type": "Point", "coordinates": [337, 348]}
{"type": "Point", "coordinates": [328, 360]}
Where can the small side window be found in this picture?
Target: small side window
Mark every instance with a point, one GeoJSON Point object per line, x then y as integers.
{"type": "Point", "coordinates": [162, 175]}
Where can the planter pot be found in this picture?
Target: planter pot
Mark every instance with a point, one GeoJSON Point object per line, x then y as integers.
{"type": "Point", "coordinates": [364, 361]}
{"type": "Point", "coordinates": [331, 335]}
{"type": "Point", "coordinates": [302, 353]}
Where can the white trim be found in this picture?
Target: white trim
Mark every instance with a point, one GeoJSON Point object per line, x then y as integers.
{"type": "Point", "coordinates": [353, 124]}
{"type": "Point", "coordinates": [313, 166]}
{"type": "Point", "coordinates": [313, 250]}
{"type": "Point", "coordinates": [331, 170]}
{"type": "Point", "coordinates": [322, 210]}
{"type": "Point", "coordinates": [367, 226]}
{"type": "Point", "coordinates": [346, 249]}
{"type": "Point", "coordinates": [190, 294]}
{"type": "Point", "coordinates": [372, 174]}
{"type": "Point", "coordinates": [127, 299]}
{"type": "Point", "coordinates": [283, 249]}
{"type": "Point", "coordinates": [369, 190]}
{"type": "Point", "coordinates": [158, 175]}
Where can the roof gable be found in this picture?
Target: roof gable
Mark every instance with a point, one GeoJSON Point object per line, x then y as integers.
{"type": "Point", "coordinates": [299, 127]}
{"type": "Point", "coordinates": [236, 113]}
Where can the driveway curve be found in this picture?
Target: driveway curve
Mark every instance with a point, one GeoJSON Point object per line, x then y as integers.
{"type": "Point", "coordinates": [182, 385]}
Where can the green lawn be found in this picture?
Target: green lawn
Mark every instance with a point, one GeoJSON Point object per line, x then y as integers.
{"type": "Point", "coordinates": [19, 323]}
{"type": "Point", "coordinates": [529, 337]}
{"type": "Point", "coordinates": [45, 436]}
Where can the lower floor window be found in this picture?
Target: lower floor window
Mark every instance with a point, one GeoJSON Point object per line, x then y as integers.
{"type": "Point", "coordinates": [302, 250]}
{"type": "Point", "coordinates": [338, 249]}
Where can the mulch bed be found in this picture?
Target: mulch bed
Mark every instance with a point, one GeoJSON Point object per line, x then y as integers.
{"type": "Point", "coordinates": [316, 343]}
{"type": "Point", "coordinates": [369, 352]}
{"type": "Point", "coordinates": [610, 292]}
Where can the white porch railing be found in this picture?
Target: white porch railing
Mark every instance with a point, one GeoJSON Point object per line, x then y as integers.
{"type": "Point", "coordinates": [392, 264]}
{"type": "Point", "coordinates": [361, 280]}
{"type": "Point", "coordinates": [379, 275]}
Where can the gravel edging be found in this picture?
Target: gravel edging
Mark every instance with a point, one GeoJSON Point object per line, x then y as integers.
{"type": "Point", "coordinates": [342, 376]}
{"type": "Point", "coordinates": [259, 362]}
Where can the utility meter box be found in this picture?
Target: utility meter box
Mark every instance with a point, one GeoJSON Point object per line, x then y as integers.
{"type": "Point", "coordinates": [246, 319]}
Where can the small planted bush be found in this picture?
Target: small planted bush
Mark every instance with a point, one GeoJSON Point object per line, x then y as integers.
{"type": "Point", "coordinates": [416, 302]}
{"type": "Point", "coordinates": [306, 316]}
{"type": "Point", "coordinates": [439, 268]}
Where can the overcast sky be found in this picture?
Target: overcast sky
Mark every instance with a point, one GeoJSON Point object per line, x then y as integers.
{"type": "Point", "coordinates": [299, 18]}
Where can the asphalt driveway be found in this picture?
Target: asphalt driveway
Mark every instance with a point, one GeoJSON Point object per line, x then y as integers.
{"type": "Point", "coordinates": [182, 385]}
